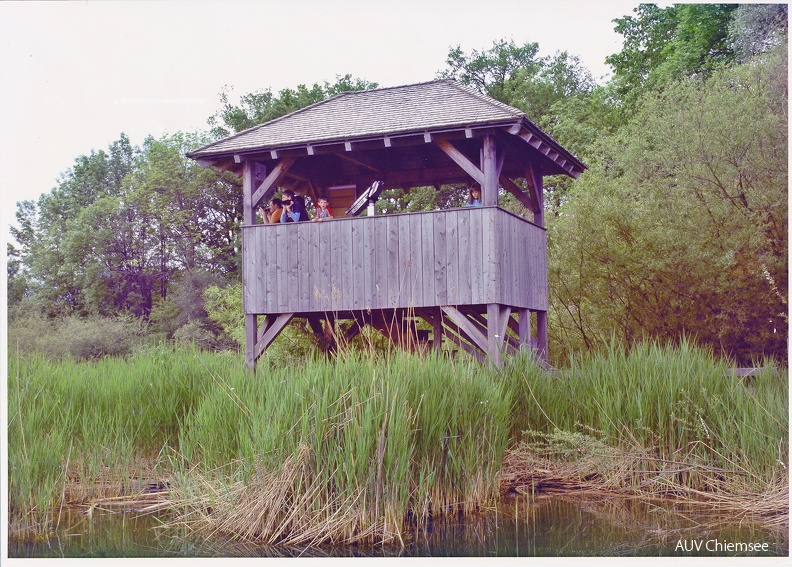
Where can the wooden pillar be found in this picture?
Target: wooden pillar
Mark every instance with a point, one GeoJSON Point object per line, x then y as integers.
{"type": "Point", "coordinates": [248, 219]}
{"type": "Point", "coordinates": [541, 335]}
{"type": "Point", "coordinates": [493, 338]}
{"type": "Point", "coordinates": [437, 335]}
{"type": "Point", "coordinates": [534, 178]}
{"type": "Point", "coordinates": [524, 326]}
{"type": "Point", "coordinates": [489, 167]}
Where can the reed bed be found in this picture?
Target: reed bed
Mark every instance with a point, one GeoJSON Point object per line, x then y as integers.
{"type": "Point", "coordinates": [654, 422]}
{"type": "Point", "coordinates": [356, 448]}
{"type": "Point", "coordinates": [382, 440]}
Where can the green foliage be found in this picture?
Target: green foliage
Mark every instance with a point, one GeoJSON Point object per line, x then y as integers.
{"type": "Point", "coordinates": [517, 76]}
{"type": "Point", "coordinates": [494, 72]}
{"type": "Point", "coordinates": [758, 28]}
{"type": "Point", "coordinates": [80, 338]}
{"type": "Point", "coordinates": [183, 309]}
{"type": "Point", "coordinates": [50, 263]}
{"type": "Point", "coordinates": [224, 306]}
{"type": "Point", "coordinates": [681, 228]}
{"type": "Point", "coordinates": [662, 45]}
{"type": "Point", "coordinates": [119, 227]}
{"type": "Point", "coordinates": [399, 201]}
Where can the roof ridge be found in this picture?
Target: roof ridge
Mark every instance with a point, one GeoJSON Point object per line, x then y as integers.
{"type": "Point", "coordinates": [315, 104]}
{"type": "Point", "coordinates": [488, 99]}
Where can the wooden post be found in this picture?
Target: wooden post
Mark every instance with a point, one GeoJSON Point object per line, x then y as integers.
{"type": "Point", "coordinates": [541, 335]}
{"type": "Point", "coordinates": [534, 179]}
{"type": "Point", "coordinates": [524, 326]}
{"type": "Point", "coordinates": [248, 219]}
{"type": "Point", "coordinates": [493, 338]}
{"type": "Point", "coordinates": [438, 331]}
{"type": "Point", "coordinates": [489, 166]}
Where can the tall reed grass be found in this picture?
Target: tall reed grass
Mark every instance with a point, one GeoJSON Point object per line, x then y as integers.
{"type": "Point", "coordinates": [350, 449]}
{"type": "Point", "coordinates": [381, 438]}
{"type": "Point", "coordinates": [673, 405]}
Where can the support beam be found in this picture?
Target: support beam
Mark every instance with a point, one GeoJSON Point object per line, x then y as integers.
{"type": "Point", "coordinates": [497, 324]}
{"type": "Point", "coordinates": [352, 331]}
{"type": "Point", "coordinates": [434, 317]}
{"type": "Point", "coordinates": [524, 333]}
{"type": "Point", "coordinates": [376, 169]}
{"type": "Point", "coordinates": [534, 180]}
{"type": "Point", "coordinates": [251, 322]}
{"type": "Point", "coordinates": [493, 339]}
{"type": "Point", "coordinates": [461, 160]}
{"type": "Point", "coordinates": [510, 343]}
{"type": "Point", "coordinates": [437, 335]}
{"type": "Point", "coordinates": [269, 183]}
{"type": "Point", "coordinates": [248, 219]}
{"type": "Point", "coordinates": [271, 333]}
{"type": "Point", "coordinates": [518, 193]}
{"type": "Point", "coordinates": [457, 340]}
{"type": "Point", "coordinates": [248, 208]}
{"type": "Point", "coordinates": [466, 326]}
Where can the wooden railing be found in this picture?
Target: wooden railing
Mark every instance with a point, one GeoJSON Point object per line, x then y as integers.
{"type": "Point", "coordinates": [468, 256]}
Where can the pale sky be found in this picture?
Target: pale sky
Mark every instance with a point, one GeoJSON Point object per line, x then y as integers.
{"type": "Point", "coordinates": [75, 75]}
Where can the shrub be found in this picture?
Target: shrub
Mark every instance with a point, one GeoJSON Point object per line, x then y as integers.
{"type": "Point", "coordinates": [75, 337]}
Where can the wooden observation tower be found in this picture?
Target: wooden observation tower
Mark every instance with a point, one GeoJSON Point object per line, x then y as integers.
{"type": "Point", "coordinates": [475, 275]}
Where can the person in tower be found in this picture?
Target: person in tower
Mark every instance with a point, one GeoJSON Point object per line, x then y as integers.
{"type": "Point", "coordinates": [293, 207]}
{"type": "Point", "coordinates": [323, 210]}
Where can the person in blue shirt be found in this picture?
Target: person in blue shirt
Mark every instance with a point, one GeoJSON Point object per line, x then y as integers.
{"type": "Point", "coordinates": [474, 198]}
{"type": "Point", "coordinates": [293, 208]}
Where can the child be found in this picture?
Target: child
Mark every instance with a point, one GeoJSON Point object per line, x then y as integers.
{"type": "Point", "coordinates": [323, 210]}
{"type": "Point", "coordinates": [474, 198]}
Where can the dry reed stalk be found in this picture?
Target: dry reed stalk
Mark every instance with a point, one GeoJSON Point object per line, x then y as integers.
{"type": "Point", "coordinates": [287, 507]}
{"type": "Point", "coordinates": [634, 474]}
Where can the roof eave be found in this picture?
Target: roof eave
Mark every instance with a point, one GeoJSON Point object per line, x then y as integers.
{"type": "Point", "coordinates": [468, 128]}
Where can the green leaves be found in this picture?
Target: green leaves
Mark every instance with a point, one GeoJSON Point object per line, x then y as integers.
{"type": "Point", "coordinates": [662, 45]}
{"type": "Point", "coordinates": [675, 229]}
{"type": "Point", "coordinates": [517, 76]}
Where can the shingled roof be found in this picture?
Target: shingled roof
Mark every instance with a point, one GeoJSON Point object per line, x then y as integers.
{"type": "Point", "coordinates": [430, 107]}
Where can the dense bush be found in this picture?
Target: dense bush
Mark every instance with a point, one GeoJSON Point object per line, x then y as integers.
{"type": "Point", "coordinates": [75, 337]}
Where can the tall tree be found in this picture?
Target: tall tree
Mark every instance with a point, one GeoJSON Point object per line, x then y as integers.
{"type": "Point", "coordinates": [120, 224]}
{"type": "Point", "coordinates": [52, 276]}
{"type": "Point", "coordinates": [757, 28]}
{"type": "Point", "coordinates": [496, 71]}
{"type": "Point", "coordinates": [681, 227]}
{"type": "Point", "coordinates": [665, 44]}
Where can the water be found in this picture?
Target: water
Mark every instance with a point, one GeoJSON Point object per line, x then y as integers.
{"type": "Point", "coordinates": [521, 527]}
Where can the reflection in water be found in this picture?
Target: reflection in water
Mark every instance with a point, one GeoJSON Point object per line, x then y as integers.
{"type": "Point", "coordinates": [521, 527]}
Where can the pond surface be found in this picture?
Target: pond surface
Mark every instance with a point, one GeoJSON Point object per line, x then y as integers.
{"type": "Point", "coordinates": [521, 527]}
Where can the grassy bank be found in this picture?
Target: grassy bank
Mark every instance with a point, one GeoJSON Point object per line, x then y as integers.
{"type": "Point", "coordinates": [351, 449]}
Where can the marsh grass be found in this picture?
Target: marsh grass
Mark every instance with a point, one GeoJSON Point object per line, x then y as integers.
{"type": "Point", "coordinates": [654, 422]}
{"type": "Point", "coordinates": [355, 448]}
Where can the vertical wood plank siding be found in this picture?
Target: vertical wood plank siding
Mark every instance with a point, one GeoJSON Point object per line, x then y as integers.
{"type": "Point", "coordinates": [452, 257]}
